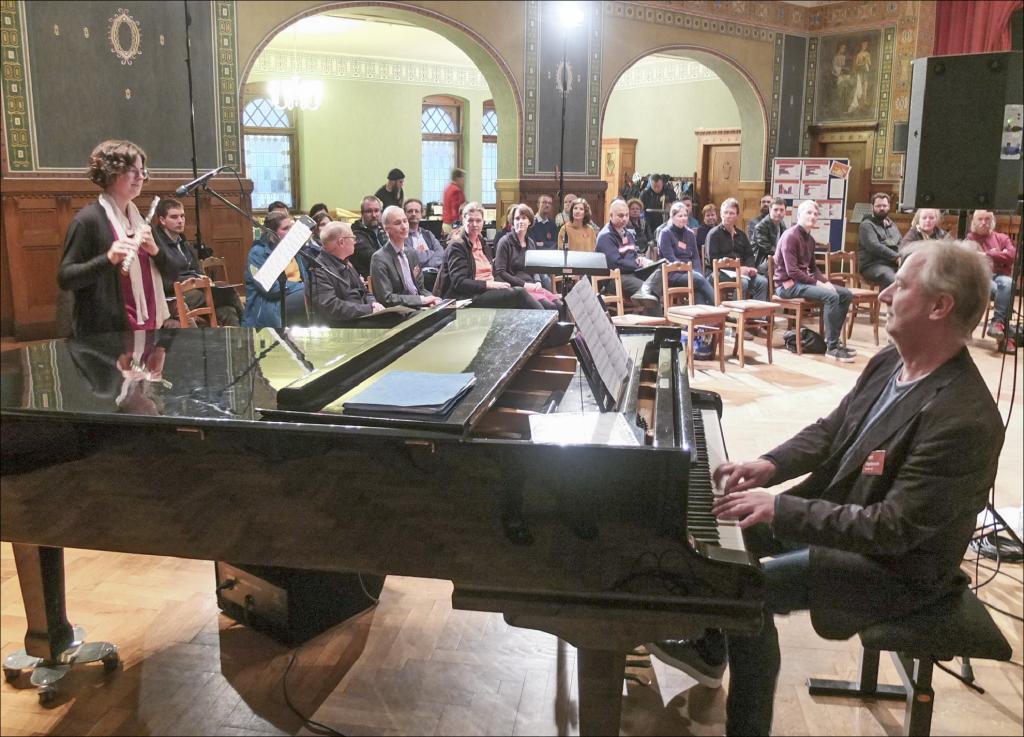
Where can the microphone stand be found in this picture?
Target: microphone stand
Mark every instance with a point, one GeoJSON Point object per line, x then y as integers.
{"type": "Point", "coordinates": [201, 248]}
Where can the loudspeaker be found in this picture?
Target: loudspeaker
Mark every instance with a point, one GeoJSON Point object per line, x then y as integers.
{"type": "Point", "coordinates": [963, 149]}
{"type": "Point", "coordinates": [291, 604]}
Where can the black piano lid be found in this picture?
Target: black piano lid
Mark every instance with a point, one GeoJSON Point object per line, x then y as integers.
{"type": "Point", "coordinates": [196, 376]}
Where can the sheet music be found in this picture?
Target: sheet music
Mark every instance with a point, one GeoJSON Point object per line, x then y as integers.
{"type": "Point", "coordinates": [599, 334]}
{"type": "Point", "coordinates": [282, 255]}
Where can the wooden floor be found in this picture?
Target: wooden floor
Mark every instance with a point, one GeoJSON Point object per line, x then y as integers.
{"type": "Point", "coordinates": [416, 666]}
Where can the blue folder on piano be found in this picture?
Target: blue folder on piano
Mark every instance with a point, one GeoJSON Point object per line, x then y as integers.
{"type": "Point", "coordinates": [412, 392]}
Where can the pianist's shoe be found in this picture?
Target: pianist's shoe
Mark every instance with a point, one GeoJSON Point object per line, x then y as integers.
{"type": "Point", "coordinates": [703, 659]}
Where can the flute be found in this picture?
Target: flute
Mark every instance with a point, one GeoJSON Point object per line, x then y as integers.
{"type": "Point", "coordinates": [126, 264]}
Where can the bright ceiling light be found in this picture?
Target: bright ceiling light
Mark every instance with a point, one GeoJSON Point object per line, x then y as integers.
{"type": "Point", "coordinates": [571, 14]}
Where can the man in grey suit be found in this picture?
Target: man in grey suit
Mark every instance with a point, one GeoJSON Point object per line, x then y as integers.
{"type": "Point", "coordinates": [898, 474]}
{"type": "Point", "coordinates": [395, 270]}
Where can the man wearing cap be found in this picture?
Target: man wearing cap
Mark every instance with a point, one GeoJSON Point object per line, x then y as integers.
{"type": "Point", "coordinates": [391, 193]}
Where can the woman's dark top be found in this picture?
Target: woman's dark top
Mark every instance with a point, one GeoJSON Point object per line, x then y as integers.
{"type": "Point", "coordinates": [510, 260]}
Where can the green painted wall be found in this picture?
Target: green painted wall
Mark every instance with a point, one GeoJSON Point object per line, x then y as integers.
{"type": "Point", "coordinates": [364, 129]}
{"type": "Point", "coordinates": [662, 118]}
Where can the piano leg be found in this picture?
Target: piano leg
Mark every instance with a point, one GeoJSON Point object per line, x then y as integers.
{"type": "Point", "coordinates": [41, 575]}
{"type": "Point", "coordinates": [600, 674]}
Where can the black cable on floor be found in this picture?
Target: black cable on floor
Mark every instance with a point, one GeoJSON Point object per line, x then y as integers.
{"type": "Point", "coordinates": [311, 724]}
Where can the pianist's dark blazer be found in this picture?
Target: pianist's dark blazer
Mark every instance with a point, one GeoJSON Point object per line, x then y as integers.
{"type": "Point", "coordinates": [388, 285]}
{"type": "Point", "coordinates": [884, 545]}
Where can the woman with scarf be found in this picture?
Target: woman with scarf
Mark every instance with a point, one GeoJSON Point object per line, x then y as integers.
{"type": "Point", "coordinates": [111, 261]}
{"type": "Point", "coordinates": [924, 227]}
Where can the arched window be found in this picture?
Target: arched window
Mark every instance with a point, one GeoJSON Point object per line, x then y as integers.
{"type": "Point", "coordinates": [489, 173]}
{"type": "Point", "coordinates": [441, 130]}
{"type": "Point", "coordinates": [271, 154]}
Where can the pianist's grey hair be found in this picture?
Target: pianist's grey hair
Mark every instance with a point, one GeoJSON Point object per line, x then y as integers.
{"type": "Point", "coordinates": [956, 268]}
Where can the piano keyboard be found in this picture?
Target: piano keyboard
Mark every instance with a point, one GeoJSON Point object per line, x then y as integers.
{"type": "Point", "coordinates": [710, 452]}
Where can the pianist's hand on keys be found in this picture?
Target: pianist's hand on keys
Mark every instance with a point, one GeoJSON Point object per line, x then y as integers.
{"type": "Point", "coordinates": [733, 501]}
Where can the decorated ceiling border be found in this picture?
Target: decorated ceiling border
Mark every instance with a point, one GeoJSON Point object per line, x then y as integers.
{"type": "Point", "coordinates": [226, 54]}
{"type": "Point", "coordinates": [771, 13]}
{"type": "Point", "coordinates": [668, 16]}
{"type": "Point", "coordinates": [368, 69]}
{"type": "Point", "coordinates": [857, 14]}
{"type": "Point", "coordinates": [664, 72]}
{"type": "Point", "coordinates": [17, 111]}
{"type": "Point", "coordinates": [776, 109]}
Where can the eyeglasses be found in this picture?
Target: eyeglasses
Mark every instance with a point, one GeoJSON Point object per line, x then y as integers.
{"type": "Point", "coordinates": [137, 172]}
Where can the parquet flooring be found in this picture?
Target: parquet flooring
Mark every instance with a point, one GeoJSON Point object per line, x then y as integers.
{"type": "Point", "coordinates": [414, 665]}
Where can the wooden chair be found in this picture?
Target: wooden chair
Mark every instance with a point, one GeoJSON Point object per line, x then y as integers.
{"type": "Point", "coordinates": [745, 312]}
{"type": "Point", "coordinates": [212, 264]}
{"type": "Point", "coordinates": [795, 309]}
{"type": "Point", "coordinates": [185, 315]}
{"type": "Point", "coordinates": [691, 315]}
{"type": "Point", "coordinates": [615, 299]}
{"type": "Point", "coordinates": [841, 268]}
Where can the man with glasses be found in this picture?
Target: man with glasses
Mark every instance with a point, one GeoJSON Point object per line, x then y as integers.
{"type": "Point", "coordinates": [369, 235]}
{"type": "Point", "coordinates": [395, 269]}
{"type": "Point", "coordinates": [337, 294]}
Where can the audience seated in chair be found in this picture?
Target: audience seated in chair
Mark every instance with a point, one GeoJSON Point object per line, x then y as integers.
{"type": "Point", "coordinates": [677, 243]}
{"type": "Point", "coordinates": [369, 235]}
{"type": "Point", "coordinates": [429, 251]}
{"type": "Point", "coordinates": [170, 234]}
{"type": "Point", "coordinates": [579, 232]}
{"type": "Point", "coordinates": [1001, 252]}
{"type": "Point", "coordinates": [468, 272]}
{"type": "Point", "coordinates": [544, 232]}
{"type": "Point", "coordinates": [728, 241]}
{"type": "Point", "coordinates": [924, 226]}
{"type": "Point", "coordinates": [395, 269]}
{"type": "Point", "coordinates": [767, 233]}
{"type": "Point", "coordinates": [621, 252]}
{"type": "Point", "coordinates": [878, 242]}
{"type": "Point", "coordinates": [337, 296]}
{"type": "Point", "coordinates": [641, 227]}
{"type": "Point", "coordinates": [766, 205]}
{"type": "Point", "coordinates": [797, 275]}
{"type": "Point", "coordinates": [510, 258]}
{"type": "Point", "coordinates": [263, 306]}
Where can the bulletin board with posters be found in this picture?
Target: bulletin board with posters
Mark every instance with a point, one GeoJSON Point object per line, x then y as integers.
{"type": "Point", "coordinates": [823, 180]}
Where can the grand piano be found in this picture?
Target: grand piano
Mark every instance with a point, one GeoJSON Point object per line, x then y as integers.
{"type": "Point", "coordinates": [234, 445]}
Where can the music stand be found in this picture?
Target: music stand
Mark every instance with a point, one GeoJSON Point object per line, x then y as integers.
{"type": "Point", "coordinates": [566, 263]}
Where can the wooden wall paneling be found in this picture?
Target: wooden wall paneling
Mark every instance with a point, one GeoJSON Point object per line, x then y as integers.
{"type": "Point", "coordinates": [508, 194]}
{"type": "Point", "coordinates": [718, 164]}
{"type": "Point", "coordinates": [36, 215]}
{"type": "Point", "coordinates": [749, 195]}
{"type": "Point", "coordinates": [618, 162]}
{"type": "Point", "coordinates": [6, 301]}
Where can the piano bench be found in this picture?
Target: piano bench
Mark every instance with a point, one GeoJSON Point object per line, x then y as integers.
{"type": "Point", "coordinates": [956, 626]}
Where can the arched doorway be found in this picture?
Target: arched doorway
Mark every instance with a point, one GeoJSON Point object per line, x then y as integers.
{"type": "Point", "coordinates": [503, 100]}
{"type": "Point", "coordinates": [739, 114]}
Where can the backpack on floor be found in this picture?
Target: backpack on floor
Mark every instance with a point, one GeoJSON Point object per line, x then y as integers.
{"type": "Point", "coordinates": [811, 341]}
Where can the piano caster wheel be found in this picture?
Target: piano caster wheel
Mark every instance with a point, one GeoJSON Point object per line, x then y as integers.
{"type": "Point", "coordinates": [111, 662]}
{"type": "Point", "coordinates": [11, 674]}
{"type": "Point", "coordinates": [47, 695]}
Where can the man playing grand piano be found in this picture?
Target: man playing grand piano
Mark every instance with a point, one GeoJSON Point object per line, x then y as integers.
{"type": "Point", "coordinates": [898, 474]}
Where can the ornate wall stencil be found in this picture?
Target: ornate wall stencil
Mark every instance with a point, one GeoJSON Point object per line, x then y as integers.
{"type": "Point", "coordinates": [712, 19]}
{"type": "Point", "coordinates": [662, 72]}
{"type": "Point", "coordinates": [530, 87]}
{"type": "Point", "coordinates": [52, 127]}
{"type": "Point", "coordinates": [773, 116]}
{"type": "Point", "coordinates": [125, 36]}
{"type": "Point", "coordinates": [882, 139]}
{"type": "Point", "coordinates": [17, 121]}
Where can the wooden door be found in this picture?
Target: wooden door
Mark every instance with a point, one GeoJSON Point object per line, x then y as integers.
{"type": "Point", "coordinates": [618, 162]}
{"type": "Point", "coordinates": [721, 175]}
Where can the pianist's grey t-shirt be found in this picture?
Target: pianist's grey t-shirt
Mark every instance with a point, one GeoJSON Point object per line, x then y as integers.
{"type": "Point", "coordinates": [894, 391]}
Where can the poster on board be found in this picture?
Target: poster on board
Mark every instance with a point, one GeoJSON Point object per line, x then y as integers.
{"type": "Point", "coordinates": [823, 180]}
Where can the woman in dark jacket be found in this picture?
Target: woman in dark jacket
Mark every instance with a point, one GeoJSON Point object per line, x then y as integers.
{"type": "Point", "coordinates": [678, 243]}
{"type": "Point", "coordinates": [510, 257]}
{"type": "Point", "coordinates": [111, 261]}
{"type": "Point", "coordinates": [641, 228]}
{"type": "Point", "coordinates": [468, 273]}
{"type": "Point", "coordinates": [924, 227]}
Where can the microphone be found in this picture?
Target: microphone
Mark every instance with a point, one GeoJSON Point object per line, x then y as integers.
{"type": "Point", "coordinates": [186, 189]}
{"type": "Point", "coordinates": [565, 240]}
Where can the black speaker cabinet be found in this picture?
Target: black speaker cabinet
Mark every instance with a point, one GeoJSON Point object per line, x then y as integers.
{"type": "Point", "coordinates": [291, 604]}
{"type": "Point", "coordinates": [964, 141]}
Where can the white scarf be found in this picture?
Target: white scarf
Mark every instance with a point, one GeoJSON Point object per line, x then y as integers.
{"type": "Point", "coordinates": [123, 225]}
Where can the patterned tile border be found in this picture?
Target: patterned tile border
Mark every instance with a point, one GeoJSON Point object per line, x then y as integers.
{"type": "Point", "coordinates": [531, 61]}
{"type": "Point", "coordinates": [776, 108]}
{"type": "Point", "coordinates": [878, 169]}
{"type": "Point", "coordinates": [594, 91]}
{"type": "Point", "coordinates": [17, 113]}
{"type": "Point", "coordinates": [810, 86]}
{"type": "Point", "coordinates": [368, 69]}
{"type": "Point", "coordinates": [226, 55]}
{"type": "Point", "coordinates": [666, 16]}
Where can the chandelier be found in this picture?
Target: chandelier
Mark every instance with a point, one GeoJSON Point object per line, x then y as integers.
{"type": "Point", "coordinates": [305, 94]}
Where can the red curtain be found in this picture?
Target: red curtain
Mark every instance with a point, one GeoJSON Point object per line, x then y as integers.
{"type": "Point", "coordinates": [973, 27]}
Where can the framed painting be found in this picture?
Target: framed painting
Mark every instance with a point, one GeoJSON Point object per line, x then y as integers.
{"type": "Point", "coordinates": [848, 74]}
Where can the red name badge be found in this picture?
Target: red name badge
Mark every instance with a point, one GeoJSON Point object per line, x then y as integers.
{"type": "Point", "coordinates": [875, 463]}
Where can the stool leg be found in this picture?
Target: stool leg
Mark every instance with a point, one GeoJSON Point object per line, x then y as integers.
{"type": "Point", "coordinates": [874, 318]}
{"type": "Point", "coordinates": [769, 330]}
{"type": "Point", "coordinates": [917, 677]}
{"type": "Point", "coordinates": [741, 333]}
{"type": "Point", "coordinates": [721, 346]}
{"type": "Point", "coordinates": [799, 321]}
{"type": "Point", "coordinates": [866, 685]}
